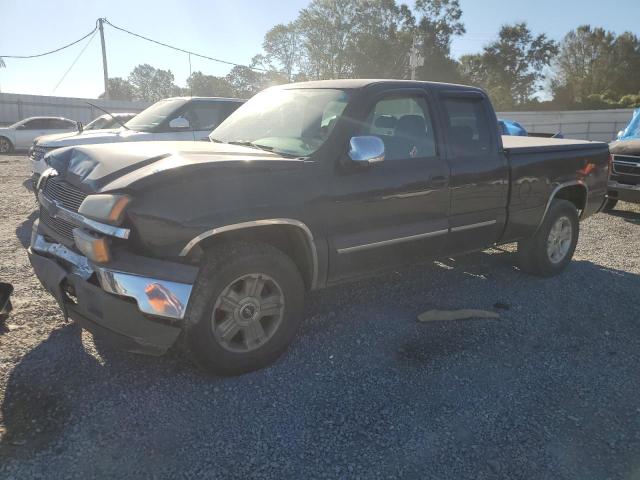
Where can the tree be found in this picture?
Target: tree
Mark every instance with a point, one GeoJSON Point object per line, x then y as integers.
{"type": "Point", "coordinates": [120, 89]}
{"type": "Point", "coordinates": [440, 21]}
{"type": "Point", "coordinates": [341, 39]}
{"type": "Point", "coordinates": [381, 39]}
{"type": "Point", "coordinates": [245, 82]}
{"type": "Point", "coordinates": [282, 48]}
{"type": "Point", "coordinates": [594, 65]}
{"type": "Point", "coordinates": [327, 28]}
{"type": "Point", "coordinates": [512, 67]}
{"type": "Point", "coordinates": [199, 84]}
{"type": "Point", "coordinates": [152, 84]}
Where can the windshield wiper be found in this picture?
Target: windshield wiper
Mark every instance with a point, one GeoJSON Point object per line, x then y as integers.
{"type": "Point", "coordinates": [246, 143]}
{"type": "Point", "coordinates": [110, 114]}
{"type": "Point", "coordinates": [266, 148]}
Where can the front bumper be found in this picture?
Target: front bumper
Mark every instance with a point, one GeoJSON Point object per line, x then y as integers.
{"type": "Point", "coordinates": [623, 192]}
{"type": "Point", "coordinates": [136, 303]}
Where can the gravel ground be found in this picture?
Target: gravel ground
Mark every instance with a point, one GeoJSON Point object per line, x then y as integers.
{"type": "Point", "coordinates": [549, 390]}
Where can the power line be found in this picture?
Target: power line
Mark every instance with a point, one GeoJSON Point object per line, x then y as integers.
{"type": "Point", "coordinates": [182, 49]}
{"type": "Point", "coordinates": [74, 62]}
{"type": "Point", "coordinates": [52, 51]}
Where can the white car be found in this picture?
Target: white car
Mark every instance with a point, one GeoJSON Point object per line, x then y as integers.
{"type": "Point", "coordinates": [21, 135]}
{"type": "Point", "coordinates": [178, 118]}
{"type": "Point", "coordinates": [103, 122]}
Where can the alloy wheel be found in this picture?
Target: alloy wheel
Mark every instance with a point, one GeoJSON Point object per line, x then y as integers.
{"type": "Point", "coordinates": [247, 313]}
{"type": "Point", "coordinates": [559, 240]}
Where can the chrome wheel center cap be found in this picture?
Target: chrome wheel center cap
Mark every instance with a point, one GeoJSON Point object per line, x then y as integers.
{"type": "Point", "coordinates": [249, 311]}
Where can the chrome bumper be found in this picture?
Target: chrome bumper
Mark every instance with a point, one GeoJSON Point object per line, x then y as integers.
{"type": "Point", "coordinates": [162, 298]}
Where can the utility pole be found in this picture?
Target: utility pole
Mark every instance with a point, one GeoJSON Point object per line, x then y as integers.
{"type": "Point", "coordinates": [104, 60]}
{"type": "Point", "coordinates": [415, 59]}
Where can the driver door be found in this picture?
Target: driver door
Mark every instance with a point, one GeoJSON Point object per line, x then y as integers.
{"type": "Point", "coordinates": [394, 212]}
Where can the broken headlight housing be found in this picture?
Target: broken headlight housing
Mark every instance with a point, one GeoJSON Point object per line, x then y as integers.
{"type": "Point", "coordinates": [105, 207]}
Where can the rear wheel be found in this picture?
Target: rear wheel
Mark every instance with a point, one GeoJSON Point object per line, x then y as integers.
{"type": "Point", "coordinates": [246, 308]}
{"type": "Point", "coordinates": [551, 249]}
{"type": "Point", "coordinates": [5, 145]}
{"type": "Point", "coordinates": [610, 204]}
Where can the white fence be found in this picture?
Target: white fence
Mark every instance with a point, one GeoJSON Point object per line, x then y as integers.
{"type": "Point", "coordinates": [14, 107]}
{"type": "Point", "coordinates": [585, 124]}
{"type": "Point", "coordinates": [600, 125]}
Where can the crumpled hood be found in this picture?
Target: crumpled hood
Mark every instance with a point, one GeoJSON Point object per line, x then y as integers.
{"type": "Point", "coordinates": [91, 137]}
{"type": "Point", "coordinates": [625, 147]}
{"type": "Point", "coordinates": [123, 166]}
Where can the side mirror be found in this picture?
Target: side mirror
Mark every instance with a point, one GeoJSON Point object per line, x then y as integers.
{"type": "Point", "coordinates": [366, 149]}
{"type": "Point", "coordinates": [21, 127]}
{"type": "Point", "coordinates": [80, 127]}
{"type": "Point", "coordinates": [179, 123]}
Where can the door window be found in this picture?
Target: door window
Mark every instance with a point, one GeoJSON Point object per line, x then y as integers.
{"type": "Point", "coordinates": [468, 132]}
{"type": "Point", "coordinates": [205, 116]}
{"type": "Point", "coordinates": [35, 124]}
{"type": "Point", "coordinates": [404, 124]}
{"type": "Point", "coordinates": [59, 124]}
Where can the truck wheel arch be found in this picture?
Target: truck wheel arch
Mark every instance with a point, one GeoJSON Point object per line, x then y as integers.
{"type": "Point", "coordinates": [304, 252]}
{"type": "Point", "coordinates": [575, 191]}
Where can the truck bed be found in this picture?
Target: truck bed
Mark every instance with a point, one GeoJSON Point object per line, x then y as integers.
{"type": "Point", "coordinates": [513, 144]}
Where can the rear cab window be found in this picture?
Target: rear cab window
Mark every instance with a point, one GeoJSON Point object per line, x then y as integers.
{"type": "Point", "coordinates": [468, 132]}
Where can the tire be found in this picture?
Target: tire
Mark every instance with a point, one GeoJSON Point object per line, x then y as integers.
{"type": "Point", "coordinates": [6, 146]}
{"type": "Point", "coordinates": [610, 204]}
{"type": "Point", "coordinates": [221, 327]}
{"type": "Point", "coordinates": [536, 254]}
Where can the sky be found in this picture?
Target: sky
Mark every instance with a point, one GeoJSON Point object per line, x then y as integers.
{"type": "Point", "coordinates": [232, 30]}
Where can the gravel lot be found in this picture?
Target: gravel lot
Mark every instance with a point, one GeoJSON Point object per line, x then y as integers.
{"type": "Point", "coordinates": [549, 390]}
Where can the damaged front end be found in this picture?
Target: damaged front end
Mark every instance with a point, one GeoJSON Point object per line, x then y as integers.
{"type": "Point", "coordinates": [137, 303]}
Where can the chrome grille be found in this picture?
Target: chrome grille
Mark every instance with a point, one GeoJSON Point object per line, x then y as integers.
{"type": "Point", "coordinates": [63, 193]}
{"type": "Point", "coordinates": [62, 228]}
{"type": "Point", "coordinates": [38, 152]}
{"type": "Point", "coordinates": [67, 196]}
{"type": "Point", "coordinates": [626, 165]}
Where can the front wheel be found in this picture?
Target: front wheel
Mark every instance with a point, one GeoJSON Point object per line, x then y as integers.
{"type": "Point", "coordinates": [245, 310]}
{"type": "Point", "coordinates": [551, 249]}
{"type": "Point", "coordinates": [5, 145]}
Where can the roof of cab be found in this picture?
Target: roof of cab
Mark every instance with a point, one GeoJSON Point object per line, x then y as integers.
{"type": "Point", "coordinates": [44, 117]}
{"type": "Point", "coordinates": [211, 99]}
{"type": "Point", "coordinates": [365, 82]}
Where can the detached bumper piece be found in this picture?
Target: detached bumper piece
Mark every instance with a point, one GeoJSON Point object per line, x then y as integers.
{"type": "Point", "coordinates": [133, 311]}
{"type": "Point", "coordinates": [624, 192]}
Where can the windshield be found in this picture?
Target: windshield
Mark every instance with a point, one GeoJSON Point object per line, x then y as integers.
{"type": "Point", "coordinates": [153, 116]}
{"type": "Point", "coordinates": [100, 123]}
{"type": "Point", "coordinates": [20, 122]}
{"type": "Point", "coordinates": [633, 129]}
{"type": "Point", "coordinates": [289, 122]}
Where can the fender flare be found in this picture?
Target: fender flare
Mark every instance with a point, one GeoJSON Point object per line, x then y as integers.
{"type": "Point", "coordinates": [557, 189]}
{"type": "Point", "coordinates": [262, 223]}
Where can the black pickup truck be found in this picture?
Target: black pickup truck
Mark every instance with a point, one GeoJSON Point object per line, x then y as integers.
{"type": "Point", "coordinates": [306, 185]}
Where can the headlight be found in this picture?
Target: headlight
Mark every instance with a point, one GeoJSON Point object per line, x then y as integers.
{"type": "Point", "coordinates": [105, 207]}
{"type": "Point", "coordinates": [94, 247]}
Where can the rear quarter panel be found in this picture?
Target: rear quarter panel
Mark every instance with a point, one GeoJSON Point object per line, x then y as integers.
{"type": "Point", "coordinates": [536, 174]}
